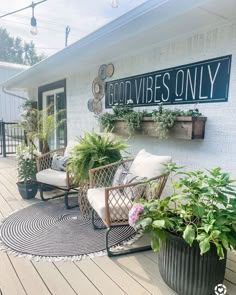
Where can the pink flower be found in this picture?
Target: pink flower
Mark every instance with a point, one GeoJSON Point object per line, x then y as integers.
{"type": "Point", "coordinates": [134, 213]}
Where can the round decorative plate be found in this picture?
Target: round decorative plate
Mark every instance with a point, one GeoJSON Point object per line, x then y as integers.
{"type": "Point", "coordinates": [97, 107]}
{"type": "Point", "coordinates": [98, 88]}
{"type": "Point", "coordinates": [102, 72]}
{"type": "Point", "coordinates": [90, 105]}
{"type": "Point", "coordinates": [110, 70]}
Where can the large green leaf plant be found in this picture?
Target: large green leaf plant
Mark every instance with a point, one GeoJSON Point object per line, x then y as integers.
{"type": "Point", "coordinates": [202, 209]}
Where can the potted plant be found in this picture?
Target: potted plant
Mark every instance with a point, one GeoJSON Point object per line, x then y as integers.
{"type": "Point", "coordinates": [192, 229]}
{"type": "Point", "coordinates": [161, 123]}
{"type": "Point", "coordinates": [93, 150]}
{"type": "Point", "coordinates": [40, 124]}
{"type": "Point", "coordinates": [26, 168]}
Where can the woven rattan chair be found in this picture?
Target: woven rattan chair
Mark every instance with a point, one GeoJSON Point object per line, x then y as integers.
{"type": "Point", "coordinates": [61, 180]}
{"type": "Point", "coordinates": [111, 204]}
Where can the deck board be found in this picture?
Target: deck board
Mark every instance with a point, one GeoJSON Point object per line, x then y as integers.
{"type": "Point", "coordinates": [131, 274]}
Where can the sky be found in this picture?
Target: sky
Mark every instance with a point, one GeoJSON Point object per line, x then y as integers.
{"type": "Point", "coordinates": [82, 16]}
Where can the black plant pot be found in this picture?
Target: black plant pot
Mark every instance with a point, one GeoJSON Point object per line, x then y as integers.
{"type": "Point", "coordinates": [186, 271]}
{"type": "Point", "coordinates": [27, 190]}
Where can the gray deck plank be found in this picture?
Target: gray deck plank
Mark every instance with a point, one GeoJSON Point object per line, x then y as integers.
{"type": "Point", "coordinates": [104, 283]}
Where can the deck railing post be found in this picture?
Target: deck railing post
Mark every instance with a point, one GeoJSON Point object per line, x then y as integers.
{"type": "Point", "coordinates": [3, 138]}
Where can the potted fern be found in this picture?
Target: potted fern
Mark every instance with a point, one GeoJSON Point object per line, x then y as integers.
{"type": "Point", "coordinates": [192, 229]}
{"type": "Point", "coordinates": [93, 150]}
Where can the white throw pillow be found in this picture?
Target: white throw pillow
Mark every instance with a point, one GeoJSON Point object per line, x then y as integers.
{"type": "Point", "coordinates": [148, 165]}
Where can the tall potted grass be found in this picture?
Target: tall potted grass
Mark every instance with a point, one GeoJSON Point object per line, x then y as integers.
{"type": "Point", "coordinates": [192, 229]}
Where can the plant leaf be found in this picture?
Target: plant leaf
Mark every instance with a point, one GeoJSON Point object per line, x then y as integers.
{"type": "Point", "coordinates": [155, 244]}
{"type": "Point", "coordinates": [189, 234]}
{"type": "Point", "coordinates": [159, 223]}
{"type": "Point", "coordinates": [204, 246]}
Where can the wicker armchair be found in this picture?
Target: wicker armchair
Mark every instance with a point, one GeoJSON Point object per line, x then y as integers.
{"type": "Point", "coordinates": [111, 204]}
{"type": "Point", "coordinates": [56, 179]}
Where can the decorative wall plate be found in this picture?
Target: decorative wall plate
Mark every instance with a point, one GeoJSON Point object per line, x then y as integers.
{"type": "Point", "coordinates": [110, 70]}
{"type": "Point", "coordinates": [97, 107]}
{"type": "Point", "coordinates": [102, 72]}
{"type": "Point", "coordinates": [90, 105]}
{"type": "Point", "coordinates": [98, 88]}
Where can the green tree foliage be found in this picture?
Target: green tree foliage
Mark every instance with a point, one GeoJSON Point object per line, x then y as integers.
{"type": "Point", "coordinates": [16, 50]}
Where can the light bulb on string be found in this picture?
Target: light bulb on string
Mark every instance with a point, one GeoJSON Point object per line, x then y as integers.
{"type": "Point", "coordinates": [33, 22]}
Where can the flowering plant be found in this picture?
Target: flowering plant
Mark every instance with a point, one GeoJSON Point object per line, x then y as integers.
{"type": "Point", "coordinates": [202, 209]}
{"type": "Point", "coordinates": [26, 162]}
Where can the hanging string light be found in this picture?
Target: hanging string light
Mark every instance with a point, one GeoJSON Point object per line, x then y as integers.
{"type": "Point", "coordinates": [33, 22]}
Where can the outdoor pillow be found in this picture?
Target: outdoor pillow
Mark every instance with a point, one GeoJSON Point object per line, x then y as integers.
{"type": "Point", "coordinates": [59, 163]}
{"type": "Point", "coordinates": [134, 192]}
{"type": "Point", "coordinates": [119, 176]}
{"type": "Point", "coordinates": [148, 165]}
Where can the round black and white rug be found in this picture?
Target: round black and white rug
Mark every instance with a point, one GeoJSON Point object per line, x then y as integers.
{"type": "Point", "coordinates": [47, 229]}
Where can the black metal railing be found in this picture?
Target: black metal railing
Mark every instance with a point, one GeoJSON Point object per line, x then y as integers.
{"type": "Point", "coordinates": [11, 134]}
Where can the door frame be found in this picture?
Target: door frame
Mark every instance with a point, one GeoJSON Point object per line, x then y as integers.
{"type": "Point", "coordinates": [53, 87]}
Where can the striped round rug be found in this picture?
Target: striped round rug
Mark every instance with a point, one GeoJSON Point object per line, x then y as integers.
{"type": "Point", "coordinates": [47, 229]}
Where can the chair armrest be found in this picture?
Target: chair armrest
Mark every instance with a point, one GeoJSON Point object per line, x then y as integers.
{"type": "Point", "coordinates": [44, 161]}
{"type": "Point", "coordinates": [102, 176]}
{"type": "Point", "coordinates": [120, 196]}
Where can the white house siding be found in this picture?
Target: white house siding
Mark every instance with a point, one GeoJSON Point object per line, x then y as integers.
{"type": "Point", "coordinates": [219, 146]}
{"type": "Point", "coordinates": [10, 105]}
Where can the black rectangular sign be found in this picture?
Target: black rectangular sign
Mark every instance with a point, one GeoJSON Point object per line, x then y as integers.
{"type": "Point", "coordinates": [200, 82]}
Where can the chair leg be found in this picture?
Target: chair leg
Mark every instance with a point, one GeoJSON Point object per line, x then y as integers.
{"type": "Point", "coordinates": [41, 192]}
{"type": "Point", "coordinates": [125, 249]}
{"type": "Point", "coordinates": [95, 226]}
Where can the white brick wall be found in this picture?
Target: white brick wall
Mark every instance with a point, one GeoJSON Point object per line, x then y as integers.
{"type": "Point", "coordinates": [219, 146]}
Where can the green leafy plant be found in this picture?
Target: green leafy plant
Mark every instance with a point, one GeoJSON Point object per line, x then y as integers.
{"type": "Point", "coordinates": [26, 162]}
{"type": "Point", "coordinates": [202, 210]}
{"type": "Point", "coordinates": [93, 150]}
{"type": "Point", "coordinates": [40, 124]}
{"type": "Point", "coordinates": [165, 118]}
{"type": "Point", "coordinates": [131, 118]}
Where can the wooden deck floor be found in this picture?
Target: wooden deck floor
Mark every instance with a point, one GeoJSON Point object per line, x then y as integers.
{"type": "Point", "coordinates": [131, 274]}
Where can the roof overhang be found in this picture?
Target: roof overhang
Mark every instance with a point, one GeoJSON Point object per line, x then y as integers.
{"type": "Point", "coordinates": [153, 22]}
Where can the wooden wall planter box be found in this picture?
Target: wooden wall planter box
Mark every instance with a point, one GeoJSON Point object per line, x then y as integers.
{"type": "Point", "coordinates": [184, 128]}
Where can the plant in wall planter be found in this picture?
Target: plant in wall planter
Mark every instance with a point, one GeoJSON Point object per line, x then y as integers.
{"type": "Point", "coordinates": [27, 169]}
{"type": "Point", "coordinates": [161, 123]}
{"type": "Point", "coordinates": [192, 229]}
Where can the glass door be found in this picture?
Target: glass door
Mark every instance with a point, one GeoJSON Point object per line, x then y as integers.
{"type": "Point", "coordinates": [55, 103]}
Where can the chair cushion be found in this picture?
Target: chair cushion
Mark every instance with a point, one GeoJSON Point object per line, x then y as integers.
{"type": "Point", "coordinates": [59, 163]}
{"type": "Point", "coordinates": [69, 148]}
{"type": "Point", "coordinates": [53, 177]}
{"type": "Point", "coordinates": [120, 205]}
{"type": "Point", "coordinates": [148, 165]}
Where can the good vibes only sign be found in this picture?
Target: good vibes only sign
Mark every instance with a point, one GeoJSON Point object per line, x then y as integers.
{"type": "Point", "coordinates": [201, 82]}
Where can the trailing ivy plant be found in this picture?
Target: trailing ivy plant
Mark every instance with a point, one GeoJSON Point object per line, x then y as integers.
{"type": "Point", "coordinates": [131, 118]}
{"type": "Point", "coordinates": [201, 210]}
{"type": "Point", "coordinates": [165, 118]}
